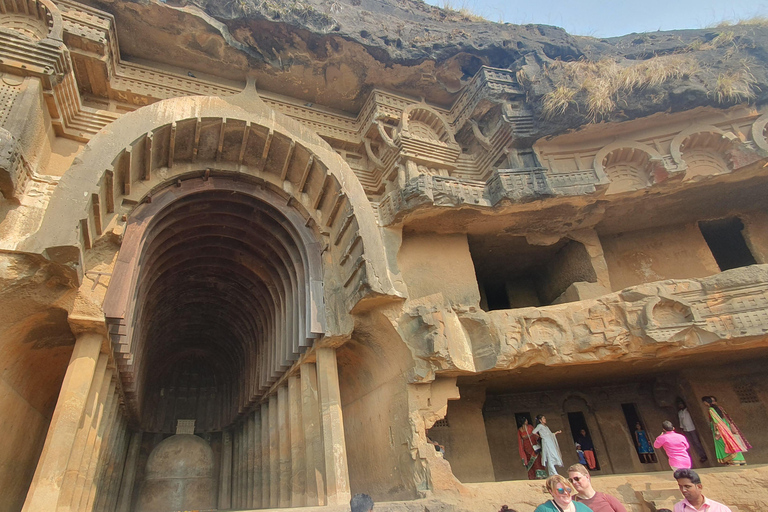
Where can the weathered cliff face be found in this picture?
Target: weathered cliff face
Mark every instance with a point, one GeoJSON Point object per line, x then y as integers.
{"type": "Point", "coordinates": [333, 52]}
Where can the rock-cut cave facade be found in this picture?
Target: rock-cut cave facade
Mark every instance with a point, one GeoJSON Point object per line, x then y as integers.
{"type": "Point", "coordinates": [259, 261]}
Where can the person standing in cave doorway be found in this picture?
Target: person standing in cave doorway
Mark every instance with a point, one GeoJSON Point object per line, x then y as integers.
{"type": "Point", "coordinates": [587, 447]}
{"type": "Point", "coordinates": [688, 429]}
{"type": "Point", "coordinates": [530, 451]}
{"type": "Point", "coordinates": [644, 448]}
{"type": "Point", "coordinates": [550, 449]}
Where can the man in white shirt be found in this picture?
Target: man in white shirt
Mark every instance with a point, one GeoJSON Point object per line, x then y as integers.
{"type": "Point", "coordinates": [689, 429]}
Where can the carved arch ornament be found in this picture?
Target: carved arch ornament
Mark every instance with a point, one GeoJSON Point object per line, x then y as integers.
{"type": "Point", "coordinates": [711, 155]}
{"type": "Point", "coordinates": [283, 195]}
{"type": "Point", "coordinates": [193, 138]}
{"type": "Point", "coordinates": [35, 19]}
{"type": "Point", "coordinates": [636, 164]}
{"type": "Point", "coordinates": [758, 132]}
{"type": "Point", "coordinates": [423, 122]}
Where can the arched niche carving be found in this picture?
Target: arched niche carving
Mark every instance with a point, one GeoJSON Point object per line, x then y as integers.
{"type": "Point", "coordinates": [178, 138]}
{"type": "Point", "coordinates": [184, 138]}
{"type": "Point", "coordinates": [700, 150]}
{"type": "Point", "coordinates": [628, 166]}
{"type": "Point", "coordinates": [223, 247]}
{"type": "Point", "coordinates": [423, 122]}
{"type": "Point", "coordinates": [35, 20]}
{"type": "Point", "coordinates": [664, 312]}
{"type": "Point", "coordinates": [759, 129]}
{"type": "Point", "coordinates": [576, 402]}
{"type": "Point", "coordinates": [158, 156]}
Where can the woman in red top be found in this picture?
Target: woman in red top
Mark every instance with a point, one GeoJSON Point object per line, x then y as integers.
{"type": "Point", "coordinates": [530, 451]}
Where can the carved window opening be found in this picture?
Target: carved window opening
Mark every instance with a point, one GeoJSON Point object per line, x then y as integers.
{"type": "Point", "coordinates": [577, 422]}
{"type": "Point", "coordinates": [746, 394]}
{"type": "Point", "coordinates": [443, 423]}
{"type": "Point", "coordinates": [512, 273]}
{"type": "Point", "coordinates": [726, 241]}
{"type": "Point", "coordinates": [640, 436]}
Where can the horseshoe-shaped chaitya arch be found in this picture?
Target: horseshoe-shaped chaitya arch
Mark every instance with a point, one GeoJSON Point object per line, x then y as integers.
{"type": "Point", "coordinates": [196, 137]}
{"type": "Point", "coordinates": [222, 268]}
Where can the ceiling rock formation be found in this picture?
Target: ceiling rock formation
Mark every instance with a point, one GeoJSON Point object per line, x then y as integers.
{"type": "Point", "coordinates": [334, 52]}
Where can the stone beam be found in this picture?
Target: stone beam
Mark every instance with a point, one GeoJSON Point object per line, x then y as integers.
{"type": "Point", "coordinates": [673, 318]}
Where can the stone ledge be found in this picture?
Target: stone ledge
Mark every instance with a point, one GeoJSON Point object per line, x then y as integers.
{"type": "Point", "coordinates": [666, 318]}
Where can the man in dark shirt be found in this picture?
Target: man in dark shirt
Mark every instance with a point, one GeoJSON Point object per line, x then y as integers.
{"type": "Point", "coordinates": [578, 475]}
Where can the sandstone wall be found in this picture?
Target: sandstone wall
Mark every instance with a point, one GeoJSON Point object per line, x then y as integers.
{"type": "Point", "coordinates": [433, 263]}
{"type": "Point", "coordinates": [756, 234]}
{"type": "Point", "coordinates": [465, 439]}
{"type": "Point", "coordinates": [377, 424]}
{"type": "Point", "coordinates": [673, 252]}
{"type": "Point", "coordinates": [35, 347]}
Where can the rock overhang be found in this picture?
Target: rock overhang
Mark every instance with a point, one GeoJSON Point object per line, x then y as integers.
{"type": "Point", "coordinates": [335, 53]}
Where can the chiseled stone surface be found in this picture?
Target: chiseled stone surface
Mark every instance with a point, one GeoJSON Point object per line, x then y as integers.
{"type": "Point", "coordinates": [334, 233]}
{"type": "Point", "coordinates": [722, 312]}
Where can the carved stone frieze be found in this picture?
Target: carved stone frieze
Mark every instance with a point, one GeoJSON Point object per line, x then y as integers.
{"type": "Point", "coordinates": [670, 318]}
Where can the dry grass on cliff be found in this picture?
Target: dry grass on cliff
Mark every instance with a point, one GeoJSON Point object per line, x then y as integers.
{"type": "Point", "coordinates": [735, 86]}
{"type": "Point", "coordinates": [603, 82]}
{"type": "Point", "coordinates": [460, 11]}
{"type": "Point", "coordinates": [759, 21]}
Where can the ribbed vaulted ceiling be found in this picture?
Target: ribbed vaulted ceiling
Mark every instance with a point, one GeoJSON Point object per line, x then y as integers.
{"type": "Point", "coordinates": [220, 310]}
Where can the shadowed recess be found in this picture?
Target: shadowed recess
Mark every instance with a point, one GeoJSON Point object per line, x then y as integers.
{"type": "Point", "coordinates": [220, 312]}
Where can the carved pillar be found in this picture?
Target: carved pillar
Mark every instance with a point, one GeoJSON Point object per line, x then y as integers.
{"type": "Point", "coordinates": [274, 452]}
{"type": "Point", "coordinates": [235, 467]}
{"type": "Point", "coordinates": [249, 455]}
{"type": "Point", "coordinates": [334, 447]}
{"type": "Point", "coordinates": [243, 456]}
{"type": "Point", "coordinates": [112, 469]}
{"type": "Point", "coordinates": [256, 482]}
{"type": "Point", "coordinates": [95, 464]}
{"type": "Point", "coordinates": [129, 474]}
{"type": "Point", "coordinates": [225, 475]}
{"type": "Point", "coordinates": [69, 483]}
{"type": "Point", "coordinates": [591, 242]}
{"type": "Point", "coordinates": [45, 489]}
{"type": "Point", "coordinates": [284, 447]}
{"type": "Point", "coordinates": [117, 464]}
{"type": "Point", "coordinates": [313, 438]}
{"type": "Point", "coordinates": [266, 418]}
{"type": "Point", "coordinates": [91, 455]}
{"type": "Point", "coordinates": [298, 467]}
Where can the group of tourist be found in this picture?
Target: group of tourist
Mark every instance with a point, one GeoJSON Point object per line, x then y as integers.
{"type": "Point", "coordinates": [576, 494]}
{"type": "Point", "coordinates": [540, 450]}
{"type": "Point", "coordinates": [540, 453]}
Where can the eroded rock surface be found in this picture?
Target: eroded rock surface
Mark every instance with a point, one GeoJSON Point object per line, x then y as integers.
{"type": "Point", "coordinates": [334, 52]}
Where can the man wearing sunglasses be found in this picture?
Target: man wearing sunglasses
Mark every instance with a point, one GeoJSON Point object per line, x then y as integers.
{"type": "Point", "coordinates": [578, 475]}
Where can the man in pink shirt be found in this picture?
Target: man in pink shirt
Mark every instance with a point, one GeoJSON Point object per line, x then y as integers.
{"type": "Point", "coordinates": [675, 445]}
{"type": "Point", "coordinates": [690, 486]}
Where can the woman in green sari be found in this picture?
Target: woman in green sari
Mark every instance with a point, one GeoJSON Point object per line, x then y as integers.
{"type": "Point", "coordinates": [729, 441]}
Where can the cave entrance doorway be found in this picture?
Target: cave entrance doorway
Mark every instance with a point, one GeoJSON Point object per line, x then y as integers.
{"type": "Point", "coordinates": [215, 307]}
{"type": "Point", "coordinates": [641, 436]}
{"type": "Point", "coordinates": [726, 241]}
{"type": "Point", "coordinates": [580, 434]}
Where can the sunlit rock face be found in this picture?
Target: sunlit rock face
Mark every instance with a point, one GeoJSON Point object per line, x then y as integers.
{"type": "Point", "coordinates": [273, 254]}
